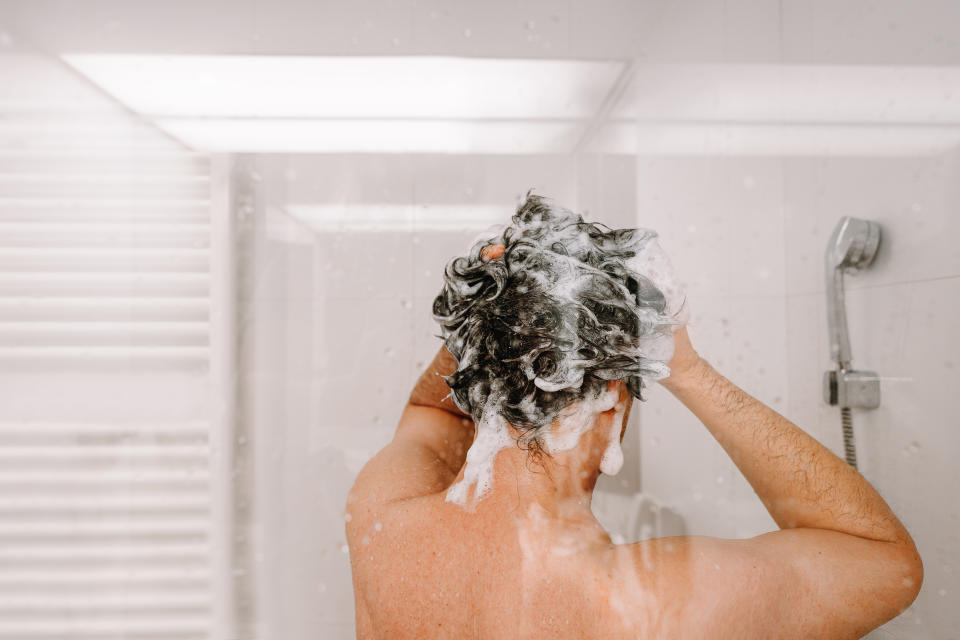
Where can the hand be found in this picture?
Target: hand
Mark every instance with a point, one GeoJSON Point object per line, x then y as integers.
{"type": "Point", "coordinates": [685, 358]}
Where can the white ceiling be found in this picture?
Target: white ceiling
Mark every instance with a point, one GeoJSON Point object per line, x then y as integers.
{"type": "Point", "coordinates": [737, 77]}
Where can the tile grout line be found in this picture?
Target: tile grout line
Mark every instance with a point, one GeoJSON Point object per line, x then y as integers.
{"type": "Point", "coordinates": [898, 283]}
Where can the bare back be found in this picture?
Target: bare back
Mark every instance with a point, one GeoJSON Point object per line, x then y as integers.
{"type": "Point", "coordinates": [429, 569]}
{"type": "Point", "coordinates": [424, 568]}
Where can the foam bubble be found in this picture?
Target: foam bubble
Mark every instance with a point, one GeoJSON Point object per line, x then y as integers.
{"type": "Point", "coordinates": [653, 262]}
{"type": "Point", "coordinates": [576, 420]}
{"type": "Point", "coordinates": [612, 460]}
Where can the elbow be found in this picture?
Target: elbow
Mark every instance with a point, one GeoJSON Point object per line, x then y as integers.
{"type": "Point", "coordinates": [916, 575]}
{"type": "Point", "coordinates": [908, 578]}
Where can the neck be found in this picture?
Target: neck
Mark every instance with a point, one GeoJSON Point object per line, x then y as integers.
{"type": "Point", "coordinates": [558, 484]}
{"type": "Point", "coordinates": [560, 481]}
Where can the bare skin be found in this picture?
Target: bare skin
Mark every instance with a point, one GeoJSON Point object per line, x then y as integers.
{"type": "Point", "coordinates": [530, 560]}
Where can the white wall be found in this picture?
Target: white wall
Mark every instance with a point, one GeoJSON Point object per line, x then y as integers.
{"type": "Point", "coordinates": [748, 236]}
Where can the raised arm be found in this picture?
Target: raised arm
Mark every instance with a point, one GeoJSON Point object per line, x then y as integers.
{"type": "Point", "coordinates": [428, 447]}
{"type": "Point", "coordinates": [431, 390]}
{"type": "Point", "coordinates": [842, 557]}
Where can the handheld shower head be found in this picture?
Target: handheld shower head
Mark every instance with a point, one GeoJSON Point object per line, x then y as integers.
{"type": "Point", "coordinates": [852, 247]}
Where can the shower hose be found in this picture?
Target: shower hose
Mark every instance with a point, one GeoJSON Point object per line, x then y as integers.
{"type": "Point", "coordinates": [846, 417]}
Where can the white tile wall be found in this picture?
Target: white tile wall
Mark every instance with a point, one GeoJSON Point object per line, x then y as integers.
{"type": "Point", "coordinates": [770, 337]}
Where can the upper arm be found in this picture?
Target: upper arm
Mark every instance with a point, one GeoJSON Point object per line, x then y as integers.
{"type": "Point", "coordinates": [424, 457]}
{"type": "Point", "coordinates": [795, 583]}
{"type": "Point", "coordinates": [843, 585]}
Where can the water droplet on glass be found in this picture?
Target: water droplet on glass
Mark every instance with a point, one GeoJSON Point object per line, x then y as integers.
{"type": "Point", "coordinates": [378, 526]}
{"type": "Point", "coordinates": [467, 32]}
{"type": "Point", "coordinates": [389, 352]}
{"type": "Point", "coordinates": [719, 479]}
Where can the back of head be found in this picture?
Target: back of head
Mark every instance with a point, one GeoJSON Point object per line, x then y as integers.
{"type": "Point", "coordinates": [567, 307]}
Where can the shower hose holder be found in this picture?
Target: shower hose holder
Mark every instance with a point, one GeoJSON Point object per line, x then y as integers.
{"type": "Point", "coordinates": [851, 389]}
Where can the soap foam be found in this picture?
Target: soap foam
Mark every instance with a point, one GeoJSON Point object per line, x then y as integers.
{"type": "Point", "coordinates": [576, 420]}
{"type": "Point", "coordinates": [612, 460]}
{"type": "Point", "coordinates": [492, 436]}
{"type": "Point", "coordinates": [652, 262]}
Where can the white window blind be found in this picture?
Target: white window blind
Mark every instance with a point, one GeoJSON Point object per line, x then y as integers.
{"type": "Point", "coordinates": [112, 500]}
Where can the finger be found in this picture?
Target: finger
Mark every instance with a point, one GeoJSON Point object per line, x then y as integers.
{"type": "Point", "coordinates": [492, 252]}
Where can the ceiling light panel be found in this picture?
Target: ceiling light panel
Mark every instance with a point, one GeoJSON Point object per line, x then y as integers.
{"type": "Point", "coordinates": [245, 135]}
{"type": "Point", "coordinates": [351, 87]}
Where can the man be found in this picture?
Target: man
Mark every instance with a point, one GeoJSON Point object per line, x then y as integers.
{"type": "Point", "coordinates": [550, 329]}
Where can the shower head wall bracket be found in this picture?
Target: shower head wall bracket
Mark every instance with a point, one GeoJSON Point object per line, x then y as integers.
{"type": "Point", "coordinates": [852, 389]}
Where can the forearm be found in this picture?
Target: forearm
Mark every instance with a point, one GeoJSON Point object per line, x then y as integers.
{"type": "Point", "coordinates": [431, 390]}
{"type": "Point", "coordinates": [801, 483]}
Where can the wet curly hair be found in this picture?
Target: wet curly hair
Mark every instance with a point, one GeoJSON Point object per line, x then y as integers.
{"type": "Point", "coordinates": [551, 320]}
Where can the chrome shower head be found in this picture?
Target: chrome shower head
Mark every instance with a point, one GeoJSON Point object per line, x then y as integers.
{"type": "Point", "coordinates": [853, 245]}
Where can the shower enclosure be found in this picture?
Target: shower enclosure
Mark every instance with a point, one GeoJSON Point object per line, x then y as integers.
{"type": "Point", "coordinates": [221, 233]}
